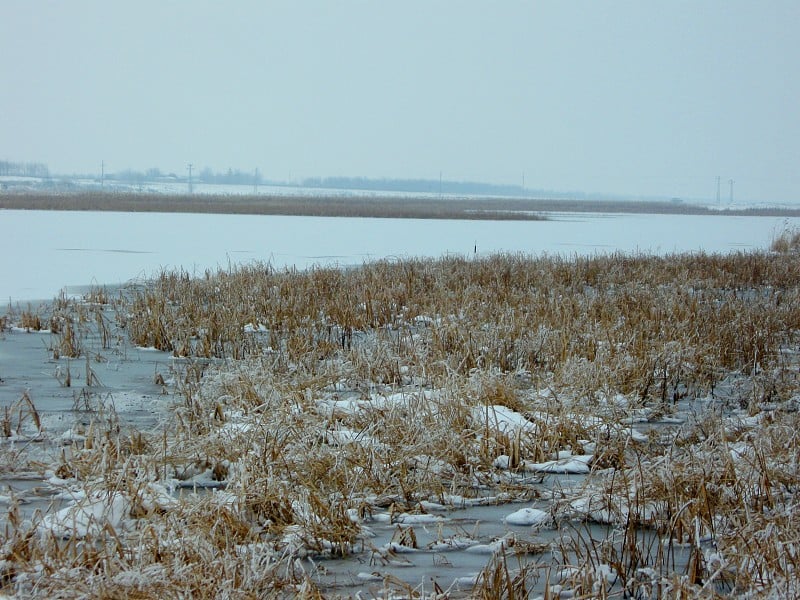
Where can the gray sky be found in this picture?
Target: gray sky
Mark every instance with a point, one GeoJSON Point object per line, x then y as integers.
{"type": "Point", "coordinates": [654, 98]}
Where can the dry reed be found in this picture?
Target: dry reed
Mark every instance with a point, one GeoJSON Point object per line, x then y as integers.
{"type": "Point", "coordinates": [313, 400]}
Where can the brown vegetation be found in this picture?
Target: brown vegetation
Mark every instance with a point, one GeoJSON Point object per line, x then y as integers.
{"type": "Point", "coordinates": [518, 209]}
{"type": "Point", "coordinates": [319, 399]}
{"type": "Point", "coordinates": [787, 241]}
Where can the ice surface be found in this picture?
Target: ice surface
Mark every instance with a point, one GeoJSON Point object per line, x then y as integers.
{"type": "Point", "coordinates": [49, 250]}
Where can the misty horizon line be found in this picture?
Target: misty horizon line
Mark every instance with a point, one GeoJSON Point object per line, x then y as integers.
{"type": "Point", "coordinates": [254, 177]}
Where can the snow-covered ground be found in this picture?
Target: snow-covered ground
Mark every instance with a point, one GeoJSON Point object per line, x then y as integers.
{"type": "Point", "coordinates": [47, 251]}
{"type": "Point", "coordinates": [176, 187]}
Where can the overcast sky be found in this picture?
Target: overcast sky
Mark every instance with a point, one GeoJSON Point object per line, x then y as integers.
{"type": "Point", "coordinates": [652, 98]}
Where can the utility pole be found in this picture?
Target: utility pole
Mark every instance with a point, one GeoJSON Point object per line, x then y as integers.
{"type": "Point", "coordinates": [730, 181]}
{"type": "Point", "coordinates": [102, 174]}
{"type": "Point", "coordinates": [717, 190]}
{"type": "Point", "coordinates": [190, 178]}
{"type": "Point", "coordinates": [255, 182]}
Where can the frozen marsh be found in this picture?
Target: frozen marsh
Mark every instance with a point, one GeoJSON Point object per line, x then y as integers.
{"type": "Point", "coordinates": [498, 426]}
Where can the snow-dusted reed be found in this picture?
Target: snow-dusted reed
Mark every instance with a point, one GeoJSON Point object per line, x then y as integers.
{"type": "Point", "coordinates": [47, 251]}
{"type": "Point", "coordinates": [330, 426]}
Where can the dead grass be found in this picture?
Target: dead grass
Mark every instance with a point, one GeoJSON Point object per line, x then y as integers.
{"type": "Point", "coordinates": [518, 209]}
{"type": "Point", "coordinates": [726, 504]}
{"type": "Point", "coordinates": [657, 327]}
{"type": "Point", "coordinates": [312, 401]}
{"type": "Point", "coordinates": [21, 419]}
{"type": "Point", "coordinates": [787, 241]}
{"type": "Point", "coordinates": [317, 206]}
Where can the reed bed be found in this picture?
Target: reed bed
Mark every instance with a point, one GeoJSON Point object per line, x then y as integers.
{"type": "Point", "coordinates": [787, 241]}
{"type": "Point", "coordinates": [310, 206]}
{"type": "Point", "coordinates": [378, 206]}
{"type": "Point", "coordinates": [313, 405]}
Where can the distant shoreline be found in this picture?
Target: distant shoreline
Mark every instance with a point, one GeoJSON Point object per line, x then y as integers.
{"type": "Point", "coordinates": [496, 209]}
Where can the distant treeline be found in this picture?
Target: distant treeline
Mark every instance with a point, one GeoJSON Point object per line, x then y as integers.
{"type": "Point", "coordinates": [424, 186]}
{"type": "Point", "coordinates": [415, 186]}
{"type": "Point", "coordinates": [254, 177]}
{"type": "Point", "coordinates": [434, 186]}
{"type": "Point", "coordinates": [23, 169]}
{"type": "Point", "coordinates": [230, 177]}
{"type": "Point", "coordinates": [206, 175]}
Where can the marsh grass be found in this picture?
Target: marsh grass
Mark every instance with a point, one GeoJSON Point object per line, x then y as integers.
{"type": "Point", "coordinates": [18, 418]}
{"type": "Point", "coordinates": [316, 206]}
{"type": "Point", "coordinates": [787, 241]}
{"type": "Point", "coordinates": [31, 320]}
{"type": "Point", "coordinates": [488, 208]}
{"type": "Point", "coordinates": [309, 403]}
{"type": "Point", "coordinates": [499, 581]}
{"type": "Point", "coordinates": [662, 328]}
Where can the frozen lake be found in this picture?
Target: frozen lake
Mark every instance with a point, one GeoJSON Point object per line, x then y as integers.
{"type": "Point", "coordinates": [47, 251]}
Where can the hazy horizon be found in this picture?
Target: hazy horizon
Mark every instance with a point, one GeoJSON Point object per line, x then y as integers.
{"type": "Point", "coordinates": [615, 98]}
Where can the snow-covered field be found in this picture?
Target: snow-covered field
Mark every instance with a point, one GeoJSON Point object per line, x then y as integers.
{"type": "Point", "coordinates": [46, 252]}
{"type": "Point", "coordinates": [182, 187]}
